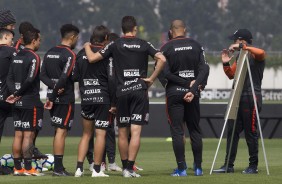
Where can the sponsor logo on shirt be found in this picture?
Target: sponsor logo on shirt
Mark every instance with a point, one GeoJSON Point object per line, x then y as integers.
{"type": "Point", "coordinates": [19, 103]}
{"type": "Point", "coordinates": [53, 56]}
{"type": "Point", "coordinates": [1, 97]}
{"type": "Point", "coordinates": [132, 46]}
{"type": "Point", "coordinates": [92, 91]}
{"type": "Point", "coordinates": [57, 120]}
{"type": "Point", "coordinates": [91, 82]}
{"type": "Point", "coordinates": [32, 67]}
{"type": "Point", "coordinates": [84, 57]}
{"type": "Point", "coordinates": [136, 117]}
{"type": "Point", "coordinates": [126, 83]}
{"type": "Point", "coordinates": [57, 99]}
{"type": "Point", "coordinates": [67, 65]}
{"type": "Point", "coordinates": [18, 61]}
{"type": "Point", "coordinates": [186, 74]}
{"type": "Point", "coordinates": [182, 48]}
{"type": "Point", "coordinates": [131, 73]}
{"type": "Point", "coordinates": [133, 88]}
{"type": "Point", "coordinates": [124, 119]}
{"type": "Point", "coordinates": [101, 124]}
{"type": "Point", "coordinates": [17, 85]}
{"type": "Point", "coordinates": [182, 89]}
{"type": "Point", "coordinates": [106, 47]}
{"type": "Point", "coordinates": [93, 99]}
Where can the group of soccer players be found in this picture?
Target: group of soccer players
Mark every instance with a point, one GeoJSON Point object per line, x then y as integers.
{"type": "Point", "coordinates": [113, 82]}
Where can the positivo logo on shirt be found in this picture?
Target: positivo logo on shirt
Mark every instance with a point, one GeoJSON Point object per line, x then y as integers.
{"type": "Point", "coordinates": [53, 56]}
{"type": "Point", "coordinates": [133, 46]}
{"type": "Point", "coordinates": [182, 48]}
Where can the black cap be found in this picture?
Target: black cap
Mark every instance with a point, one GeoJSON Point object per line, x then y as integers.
{"type": "Point", "coordinates": [242, 34]}
{"type": "Point", "coordinates": [6, 18]}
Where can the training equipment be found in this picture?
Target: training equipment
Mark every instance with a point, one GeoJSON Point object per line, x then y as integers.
{"type": "Point", "coordinates": [233, 104]}
{"type": "Point", "coordinates": [7, 160]}
{"type": "Point", "coordinates": [37, 164]}
{"type": "Point", "coordinates": [49, 162]}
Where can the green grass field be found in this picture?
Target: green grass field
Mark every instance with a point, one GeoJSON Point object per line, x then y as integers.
{"type": "Point", "coordinates": [157, 159]}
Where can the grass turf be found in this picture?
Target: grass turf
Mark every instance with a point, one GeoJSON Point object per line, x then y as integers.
{"type": "Point", "coordinates": [157, 159]}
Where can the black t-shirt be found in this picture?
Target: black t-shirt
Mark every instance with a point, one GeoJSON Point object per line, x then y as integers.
{"type": "Point", "coordinates": [185, 62]}
{"type": "Point", "coordinates": [56, 73]}
{"type": "Point", "coordinates": [257, 69]}
{"type": "Point", "coordinates": [93, 78]}
{"type": "Point", "coordinates": [6, 58]}
{"type": "Point", "coordinates": [130, 58]}
{"type": "Point", "coordinates": [23, 79]}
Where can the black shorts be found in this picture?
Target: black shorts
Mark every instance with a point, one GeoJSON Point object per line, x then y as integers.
{"type": "Point", "coordinates": [98, 113]}
{"type": "Point", "coordinates": [62, 115]}
{"type": "Point", "coordinates": [133, 109]}
{"type": "Point", "coordinates": [28, 119]}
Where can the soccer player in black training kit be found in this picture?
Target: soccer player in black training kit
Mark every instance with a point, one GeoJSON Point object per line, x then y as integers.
{"type": "Point", "coordinates": [24, 84]}
{"type": "Point", "coordinates": [56, 73]}
{"type": "Point", "coordinates": [23, 28]}
{"type": "Point", "coordinates": [185, 70]}
{"type": "Point", "coordinates": [6, 55]}
{"type": "Point", "coordinates": [246, 118]}
{"type": "Point", "coordinates": [7, 22]}
{"type": "Point", "coordinates": [130, 56]}
{"type": "Point", "coordinates": [95, 102]}
{"type": "Point", "coordinates": [110, 150]}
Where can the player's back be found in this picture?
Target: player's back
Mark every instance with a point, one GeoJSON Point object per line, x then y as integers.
{"type": "Point", "coordinates": [25, 72]}
{"type": "Point", "coordinates": [58, 63]}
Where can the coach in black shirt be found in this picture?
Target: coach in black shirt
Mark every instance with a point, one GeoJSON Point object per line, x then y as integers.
{"type": "Point", "coordinates": [130, 56]}
{"type": "Point", "coordinates": [185, 70]}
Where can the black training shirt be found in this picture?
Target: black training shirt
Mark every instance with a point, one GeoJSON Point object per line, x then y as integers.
{"type": "Point", "coordinates": [23, 79]}
{"type": "Point", "coordinates": [6, 55]}
{"type": "Point", "coordinates": [56, 73]}
{"type": "Point", "coordinates": [185, 62]}
{"type": "Point", "coordinates": [93, 78]}
{"type": "Point", "coordinates": [130, 58]}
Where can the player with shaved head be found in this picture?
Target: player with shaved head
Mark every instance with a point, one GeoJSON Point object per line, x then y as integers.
{"type": "Point", "coordinates": [186, 73]}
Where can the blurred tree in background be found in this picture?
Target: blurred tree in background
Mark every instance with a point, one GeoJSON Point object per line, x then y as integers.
{"type": "Point", "coordinates": [210, 22]}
